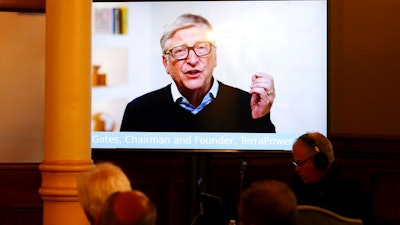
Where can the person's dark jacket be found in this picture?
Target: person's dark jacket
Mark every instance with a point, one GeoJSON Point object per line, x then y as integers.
{"type": "Point", "coordinates": [336, 192]}
{"type": "Point", "coordinates": [229, 112]}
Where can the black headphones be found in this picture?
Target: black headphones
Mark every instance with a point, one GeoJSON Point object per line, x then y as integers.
{"type": "Point", "coordinates": [320, 159]}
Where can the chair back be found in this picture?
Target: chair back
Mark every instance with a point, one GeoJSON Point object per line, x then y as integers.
{"type": "Point", "coordinates": [313, 215]}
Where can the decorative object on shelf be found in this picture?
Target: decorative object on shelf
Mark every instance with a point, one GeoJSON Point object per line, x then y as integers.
{"type": "Point", "coordinates": [101, 79]}
{"type": "Point", "coordinates": [98, 79]}
{"type": "Point", "coordinates": [102, 122]}
{"type": "Point", "coordinates": [95, 72]}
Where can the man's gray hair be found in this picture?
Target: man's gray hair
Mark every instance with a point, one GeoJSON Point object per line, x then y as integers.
{"type": "Point", "coordinates": [184, 21]}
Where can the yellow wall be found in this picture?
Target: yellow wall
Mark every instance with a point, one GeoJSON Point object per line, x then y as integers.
{"type": "Point", "coordinates": [22, 74]}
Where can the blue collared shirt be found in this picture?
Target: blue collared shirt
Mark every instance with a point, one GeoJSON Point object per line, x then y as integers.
{"type": "Point", "coordinates": [184, 103]}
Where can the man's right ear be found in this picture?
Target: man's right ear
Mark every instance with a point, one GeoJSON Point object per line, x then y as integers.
{"type": "Point", "coordinates": [165, 63]}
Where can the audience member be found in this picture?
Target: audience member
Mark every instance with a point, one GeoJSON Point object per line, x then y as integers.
{"type": "Point", "coordinates": [196, 101]}
{"type": "Point", "coordinates": [323, 182]}
{"type": "Point", "coordinates": [268, 202]}
{"type": "Point", "coordinates": [128, 208]}
{"type": "Point", "coordinates": [96, 184]}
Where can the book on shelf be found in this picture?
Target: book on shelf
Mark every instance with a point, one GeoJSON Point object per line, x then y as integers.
{"type": "Point", "coordinates": [110, 20]}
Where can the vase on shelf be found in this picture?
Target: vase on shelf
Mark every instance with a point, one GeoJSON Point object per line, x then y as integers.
{"type": "Point", "coordinates": [98, 79]}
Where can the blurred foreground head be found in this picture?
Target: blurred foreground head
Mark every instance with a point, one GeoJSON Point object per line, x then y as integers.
{"type": "Point", "coordinates": [96, 184]}
{"type": "Point", "coordinates": [268, 202]}
{"type": "Point", "coordinates": [128, 208]}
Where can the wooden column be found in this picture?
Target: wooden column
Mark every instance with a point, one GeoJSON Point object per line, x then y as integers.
{"type": "Point", "coordinates": [67, 109]}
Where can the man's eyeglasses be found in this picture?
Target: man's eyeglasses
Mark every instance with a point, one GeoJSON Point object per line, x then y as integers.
{"type": "Point", "coordinates": [182, 52]}
{"type": "Point", "coordinates": [301, 162]}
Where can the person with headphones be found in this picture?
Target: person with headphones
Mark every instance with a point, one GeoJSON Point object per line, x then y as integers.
{"type": "Point", "coordinates": [323, 182]}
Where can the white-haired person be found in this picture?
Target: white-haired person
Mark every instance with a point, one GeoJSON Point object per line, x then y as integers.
{"type": "Point", "coordinates": [325, 183]}
{"type": "Point", "coordinates": [97, 184]}
{"type": "Point", "coordinates": [195, 101]}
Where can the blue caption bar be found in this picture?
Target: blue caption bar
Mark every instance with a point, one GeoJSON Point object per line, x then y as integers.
{"type": "Point", "coordinates": [178, 140]}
